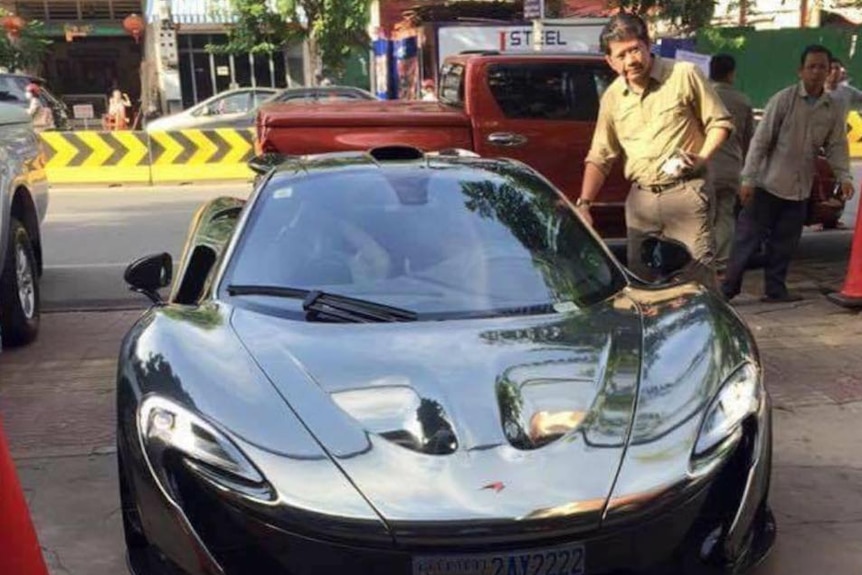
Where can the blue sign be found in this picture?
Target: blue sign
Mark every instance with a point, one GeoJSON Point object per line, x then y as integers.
{"type": "Point", "coordinates": [533, 9]}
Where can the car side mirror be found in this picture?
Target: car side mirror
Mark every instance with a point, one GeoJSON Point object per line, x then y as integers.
{"type": "Point", "coordinates": [263, 163]}
{"type": "Point", "coordinates": [665, 257]}
{"type": "Point", "coordinates": [147, 275]}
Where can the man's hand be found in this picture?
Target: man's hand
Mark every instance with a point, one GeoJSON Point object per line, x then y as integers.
{"type": "Point", "coordinates": [846, 190]}
{"type": "Point", "coordinates": [745, 194]}
{"type": "Point", "coordinates": [584, 211]}
{"type": "Point", "coordinates": [694, 164]}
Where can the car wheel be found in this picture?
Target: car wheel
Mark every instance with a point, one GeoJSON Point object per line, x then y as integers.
{"type": "Point", "coordinates": [19, 289]}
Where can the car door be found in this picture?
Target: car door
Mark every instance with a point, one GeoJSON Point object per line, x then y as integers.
{"type": "Point", "coordinates": [544, 113]}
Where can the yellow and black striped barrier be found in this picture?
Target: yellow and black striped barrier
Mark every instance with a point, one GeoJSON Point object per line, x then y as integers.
{"type": "Point", "coordinates": [196, 155]}
{"type": "Point", "coordinates": [854, 134]}
{"type": "Point", "coordinates": [97, 157]}
{"type": "Point", "coordinates": [119, 157]}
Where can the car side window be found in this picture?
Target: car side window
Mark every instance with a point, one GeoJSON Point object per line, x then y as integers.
{"type": "Point", "coordinates": [259, 98]}
{"type": "Point", "coordinates": [233, 104]}
{"type": "Point", "coordinates": [544, 91]}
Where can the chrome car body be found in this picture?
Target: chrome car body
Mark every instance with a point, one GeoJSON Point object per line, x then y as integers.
{"type": "Point", "coordinates": [256, 435]}
{"type": "Point", "coordinates": [23, 205]}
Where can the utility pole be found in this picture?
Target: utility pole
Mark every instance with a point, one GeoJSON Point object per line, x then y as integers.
{"type": "Point", "coordinates": [535, 10]}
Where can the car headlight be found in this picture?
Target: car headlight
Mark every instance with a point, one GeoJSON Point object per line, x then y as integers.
{"type": "Point", "coordinates": [167, 428]}
{"type": "Point", "coordinates": [739, 397]}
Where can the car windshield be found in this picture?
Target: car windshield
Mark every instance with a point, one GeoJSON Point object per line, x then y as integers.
{"type": "Point", "coordinates": [449, 240]}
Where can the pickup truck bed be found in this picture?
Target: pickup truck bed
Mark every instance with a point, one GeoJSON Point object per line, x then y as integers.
{"type": "Point", "coordinates": [317, 128]}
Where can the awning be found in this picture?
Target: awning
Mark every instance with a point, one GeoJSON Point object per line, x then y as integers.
{"type": "Point", "coordinates": [193, 11]}
{"type": "Point", "coordinates": [845, 16]}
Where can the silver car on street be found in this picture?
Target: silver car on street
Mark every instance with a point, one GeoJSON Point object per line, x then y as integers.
{"type": "Point", "coordinates": [23, 204]}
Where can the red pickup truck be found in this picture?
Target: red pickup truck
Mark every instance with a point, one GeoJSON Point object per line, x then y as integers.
{"type": "Point", "coordinates": [539, 108]}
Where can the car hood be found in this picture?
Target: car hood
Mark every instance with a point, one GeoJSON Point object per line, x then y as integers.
{"type": "Point", "coordinates": [468, 427]}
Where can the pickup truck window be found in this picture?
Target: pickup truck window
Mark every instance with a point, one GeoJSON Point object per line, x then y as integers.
{"type": "Point", "coordinates": [546, 91]}
{"type": "Point", "coordinates": [452, 85]}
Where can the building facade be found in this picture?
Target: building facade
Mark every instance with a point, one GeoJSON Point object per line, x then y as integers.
{"type": "Point", "coordinates": [90, 53]}
{"type": "Point", "coordinates": [164, 69]}
{"type": "Point", "coordinates": [180, 71]}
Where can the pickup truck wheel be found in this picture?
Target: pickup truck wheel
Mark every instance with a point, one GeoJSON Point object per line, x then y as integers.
{"type": "Point", "coordinates": [19, 289]}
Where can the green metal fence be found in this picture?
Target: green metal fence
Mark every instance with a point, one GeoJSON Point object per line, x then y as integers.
{"type": "Point", "coordinates": [768, 60]}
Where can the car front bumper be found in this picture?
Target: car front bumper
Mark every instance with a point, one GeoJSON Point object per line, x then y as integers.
{"type": "Point", "coordinates": [722, 525]}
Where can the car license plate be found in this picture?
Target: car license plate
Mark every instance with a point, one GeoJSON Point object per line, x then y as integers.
{"type": "Point", "coordinates": [565, 560]}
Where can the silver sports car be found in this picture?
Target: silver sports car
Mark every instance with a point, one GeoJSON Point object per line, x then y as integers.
{"type": "Point", "coordinates": [426, 364]}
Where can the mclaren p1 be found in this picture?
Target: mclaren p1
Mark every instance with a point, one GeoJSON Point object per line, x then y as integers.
{"type": "Point", "coordinates": [393, 362]}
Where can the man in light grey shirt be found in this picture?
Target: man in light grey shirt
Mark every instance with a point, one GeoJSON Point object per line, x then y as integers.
{"type": "Point", "coordinates": [779, 171]}
{"type": "Point", "coordinates": [726, 164]}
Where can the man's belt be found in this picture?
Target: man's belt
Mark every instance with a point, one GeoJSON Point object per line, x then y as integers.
{"type": "Point", "coordinates": [659, 188]}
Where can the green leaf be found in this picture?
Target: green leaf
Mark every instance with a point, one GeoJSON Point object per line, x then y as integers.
{"type": "Point", "coordinates": [28, 50]}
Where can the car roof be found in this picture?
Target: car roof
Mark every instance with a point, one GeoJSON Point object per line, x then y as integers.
{"type": "Point", "coordinates": [390, 157]}
{"type": "Point", "coordinates": [232, 91]}
{"type": "Point", "coordinates": [322, 90]}
{"type": "Point", "coordinates": [28, 77]}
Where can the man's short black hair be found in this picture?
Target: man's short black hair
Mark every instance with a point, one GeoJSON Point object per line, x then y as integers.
{"type": "Point", "coordinates": [814, 49]}
{"type": "Point", "coordinates": [623, 27]}
{"type": "Point", "coordinates": [721, 67]}
{"type": "Point", "coordinates": [835, 60]}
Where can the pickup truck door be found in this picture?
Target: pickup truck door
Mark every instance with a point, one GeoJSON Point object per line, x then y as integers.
{"type": "Point", "coordinates": [543, 114]}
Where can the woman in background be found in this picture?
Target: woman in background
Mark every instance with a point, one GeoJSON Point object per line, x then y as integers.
{"type": "Point", "coordinates": [117, 104]}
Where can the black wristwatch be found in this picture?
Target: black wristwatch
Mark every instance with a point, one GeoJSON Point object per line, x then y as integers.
{"type": "Point", "coordinates": [582, 202]}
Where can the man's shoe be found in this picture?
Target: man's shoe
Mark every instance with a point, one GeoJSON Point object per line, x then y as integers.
{"type": "Point", "coordinates": [783, 298]}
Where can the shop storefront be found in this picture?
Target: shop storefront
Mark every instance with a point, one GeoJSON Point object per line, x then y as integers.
{"type": "Point", "coordinates": [91, 53]}
{"type": "Point", "coordinates": [203, 74]}
{"type": "Point", "coordinates": [185, 72]}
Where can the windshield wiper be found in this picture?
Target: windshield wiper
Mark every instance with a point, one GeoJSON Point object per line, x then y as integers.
{"type": "Point", "coordinates": [322, 306]}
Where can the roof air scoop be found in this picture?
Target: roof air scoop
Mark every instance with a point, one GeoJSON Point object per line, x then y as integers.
{"type": "Point", "coordinates": [395, 153]}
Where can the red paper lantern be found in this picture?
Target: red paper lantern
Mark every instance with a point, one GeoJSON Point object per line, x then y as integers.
{"type": "Point", "coordinates": [13, 25]}
{"type": "Point", "coordinates": [134, 25]}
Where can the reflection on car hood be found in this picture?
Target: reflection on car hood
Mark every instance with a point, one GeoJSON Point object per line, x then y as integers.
{"type": "Point", "coordinates": [480, 421]}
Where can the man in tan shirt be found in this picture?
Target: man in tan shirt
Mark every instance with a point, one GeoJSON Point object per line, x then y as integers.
{"type": "Point", "coordinates": [666, 120]}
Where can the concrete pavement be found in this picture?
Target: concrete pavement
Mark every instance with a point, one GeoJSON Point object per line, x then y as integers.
{"type": "Point", "coordinates": [92, 234]}
{"type": "Point", "coordinates": [56, 398]}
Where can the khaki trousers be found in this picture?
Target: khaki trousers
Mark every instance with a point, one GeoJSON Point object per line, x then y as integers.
{"type": "Point", "coordinates": [681, 213]}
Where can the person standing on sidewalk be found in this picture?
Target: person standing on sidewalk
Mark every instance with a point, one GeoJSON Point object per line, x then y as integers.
{"type": "Point", "coordinates": [667, 121]}
{"type": "Point", "coordinates": [726, 164]}
{"type": "Point", "coordinates": [779, 170]}
{"type": "Point", "coordinates": [845, 95]}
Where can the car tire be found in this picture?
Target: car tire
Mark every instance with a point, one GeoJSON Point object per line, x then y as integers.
{"type": "Point", "coordinates": [20, 306]}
